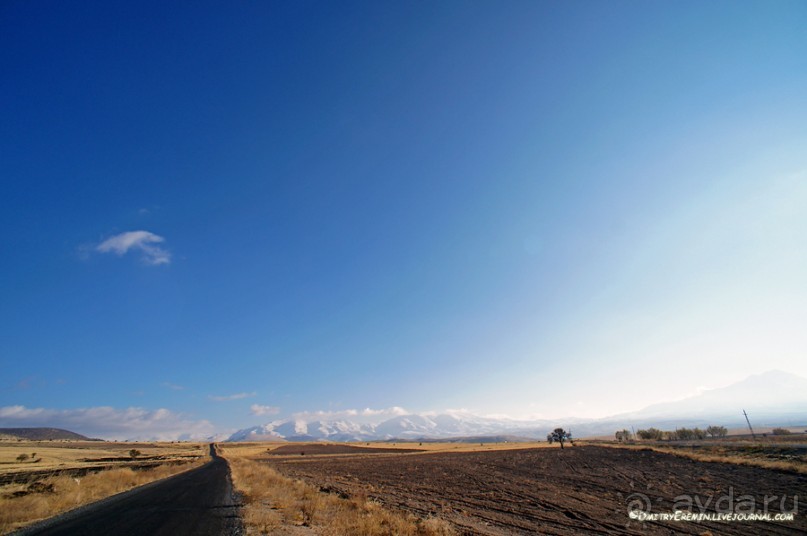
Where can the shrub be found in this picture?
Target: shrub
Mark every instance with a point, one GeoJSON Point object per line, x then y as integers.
{"type": "Point", "coordinates": [650, 434]}
{"type": "Point", "coordinates": [623, 435]}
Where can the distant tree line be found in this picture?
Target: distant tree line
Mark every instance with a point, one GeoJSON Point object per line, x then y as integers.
{"type": "Point", "coordinates": [682, 434]}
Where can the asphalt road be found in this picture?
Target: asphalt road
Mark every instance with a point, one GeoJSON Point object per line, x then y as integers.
{"type": "Point", "coordinates": [199, 502]}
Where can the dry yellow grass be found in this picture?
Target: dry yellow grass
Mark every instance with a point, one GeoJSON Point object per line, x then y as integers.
{"type": "Point", "coordinates": [274, 503]}
{"type": "Point", "coordinates": [69, 493]}
{"type": "Point", "coordinates": [27, 499]}
{"type": "Point", "coordinates": [59, 455]}
{"type": "Point", "coordinates": [719, 455]}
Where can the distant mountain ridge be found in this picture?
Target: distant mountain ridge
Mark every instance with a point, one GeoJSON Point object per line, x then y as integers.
{"type": "Point", "coordinates": [402, 427]}
{"type": "Point", "coordinates": [771, 392]}
{"type": "Point", "coordinates": [773, 398]}
{"type": "Point", "coordinates": [42, 434]}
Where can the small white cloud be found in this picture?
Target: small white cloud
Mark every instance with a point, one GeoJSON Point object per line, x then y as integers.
{"type": "Point", "coordinates": [173, 386]}
{"type": "Point", "coordinates": [142, 241]}
{"type": "Point", "coordinates": [393, 411]}
{"type": "Point", "coordinates": [258, 409]}
{"type": "Point", "coordinates": [237, 396]}
{"type": "Point", "coordinates": [110, 423]}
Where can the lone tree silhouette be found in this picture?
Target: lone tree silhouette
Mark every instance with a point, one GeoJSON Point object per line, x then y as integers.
{"type": "Point", "coordinates": [560, 435]}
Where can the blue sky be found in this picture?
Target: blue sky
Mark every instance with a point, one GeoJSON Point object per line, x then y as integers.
{"type": "Point", "coordinates": [217, 215]}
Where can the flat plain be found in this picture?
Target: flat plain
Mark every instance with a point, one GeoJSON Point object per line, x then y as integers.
{"type": "Point", "coordinates": [577, 490]}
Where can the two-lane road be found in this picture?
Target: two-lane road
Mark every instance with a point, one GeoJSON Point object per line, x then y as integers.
{"type": "Point", "coordinates": [199, 502]}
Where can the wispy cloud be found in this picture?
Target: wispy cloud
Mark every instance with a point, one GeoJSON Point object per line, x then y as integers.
{"type": "Point", "coordinates": [258, 409]}
{"type": "Point", "coordinates": [142, 241]}
{"type": "Point", "coordinates": [110, 423]}
{"type": "Point", "coordinates": [172, 386]}
{"type": "Point", "coordinates": [236, 396]}
{"type": "Point", "coordinates": [394, 411]}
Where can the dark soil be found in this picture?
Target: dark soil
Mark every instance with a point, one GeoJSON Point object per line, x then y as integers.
{"type": "Point", "coordinates": [562, 492]}
{"type": "Point", "coordinates": [314, 449]}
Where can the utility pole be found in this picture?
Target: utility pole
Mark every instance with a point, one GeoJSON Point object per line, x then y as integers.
{"type": "Point", "coordinates": [749, 426]}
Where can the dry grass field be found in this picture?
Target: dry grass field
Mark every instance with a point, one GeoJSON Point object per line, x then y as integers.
{"type": "Point", "coordinates": [60, 455]}
{"type": "Point", "coordinates": [381, 488]}
{"type": "Point", "coordinates": [787, 453]}
{"type": "Point", "coordinates": [40, 479]}
{"type": "Point", "coordinates": [578, 490]}
{"type": "Point", "coordinates": [275, 504]}
{"type": "Point", "coordinates": [259, 448]}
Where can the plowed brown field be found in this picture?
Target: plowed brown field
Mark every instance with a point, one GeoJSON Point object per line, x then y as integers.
{"type": "Point", "coordinates": [578, 490]}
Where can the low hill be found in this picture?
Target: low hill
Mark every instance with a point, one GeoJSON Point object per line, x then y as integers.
{"type": "Point", "coordinates": [42, 434]}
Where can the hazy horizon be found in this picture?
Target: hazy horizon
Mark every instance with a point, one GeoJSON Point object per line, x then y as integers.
{"type": "Point", "coordinates": [776, 397]}
{"type": "Point", "coordinates": [217, 216]}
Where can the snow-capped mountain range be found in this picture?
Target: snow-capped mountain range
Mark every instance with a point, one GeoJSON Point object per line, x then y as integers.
{"type": "Point", "coordinates": [772, 399]}
{"type": "Point", "coordinates": [411, 426]}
